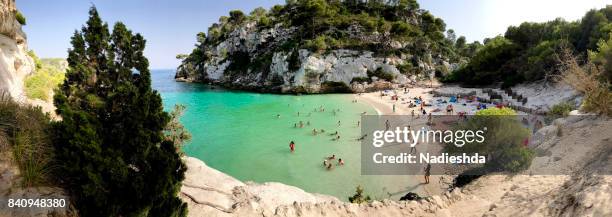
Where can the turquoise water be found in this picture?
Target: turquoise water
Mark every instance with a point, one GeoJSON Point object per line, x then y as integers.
{"type": "Point", "coordinates": [239, 133]}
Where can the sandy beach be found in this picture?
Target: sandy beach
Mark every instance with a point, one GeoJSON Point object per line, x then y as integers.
{"type": "Point", "coordinates": [384, 106]}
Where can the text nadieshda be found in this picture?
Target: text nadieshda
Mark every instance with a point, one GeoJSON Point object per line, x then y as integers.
{"type": "Point", "coordinates": [424, 136]}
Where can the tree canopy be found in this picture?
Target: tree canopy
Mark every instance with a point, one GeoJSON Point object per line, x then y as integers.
{"type": "Point", "coordinates": [531, 49]}
{"type": "Point", "coordinates": [110, 142]}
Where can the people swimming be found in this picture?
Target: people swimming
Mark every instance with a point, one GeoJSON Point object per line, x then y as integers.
{"type": "Point", "coordinates": [292, 146]}
{"type": "Point", "coordinates": [340, 162]}
{"type": "Point", "coordinates": [331, 157]}
{"type": "Point", "coordinates": [301, 124]}
{"type": "Point", "coordinates": [307, 123]}
{"type": "Point", "coordinates": [337, 138]}
{"type": "Point", "coordinates": [338, 123]}
{"type": "Point", "coordinates": [362, 137]}
{"type": "Point", "coordinates": [277, 116]}
{"type": "Point", "coordinates": [314, 132]}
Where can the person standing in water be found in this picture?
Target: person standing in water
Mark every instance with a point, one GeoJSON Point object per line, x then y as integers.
{"type": "Point", "coordinates": [292, 146]}
{"type": "Point", "coordinates": [427, 173]}
{"type": "Point", "coordinates": [393, 108]}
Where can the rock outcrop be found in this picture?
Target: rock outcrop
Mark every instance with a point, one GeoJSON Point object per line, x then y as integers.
{"type": "Point", "coordinates": [15, 63]}
{"type": "Point", "coordinates": [245, 54]}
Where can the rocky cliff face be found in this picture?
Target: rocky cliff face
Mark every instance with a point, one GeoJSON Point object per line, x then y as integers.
{"type": "Point", "coordinates": [281, 57]}
{"type": "Point", "coordinates": [15, 63]}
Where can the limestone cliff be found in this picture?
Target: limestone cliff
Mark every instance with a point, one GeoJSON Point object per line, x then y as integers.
{"type": "Point", "coordinates": [15, 63]}
{"type": "Point", "coordinates": [349, 48]}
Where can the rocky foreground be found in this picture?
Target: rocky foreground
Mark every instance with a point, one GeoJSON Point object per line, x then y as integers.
{"type": "Point", "coordinates": [584, 150]}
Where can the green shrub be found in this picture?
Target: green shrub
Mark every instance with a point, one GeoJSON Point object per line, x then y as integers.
{"type": "Point", "coordinates": [380, 74]}
{"type": "Point", "coordinates": [359, 197]}
{"type": "Point", "coordinates": [405, 68]}
{"type": "Point", "coordinates": [316, 45]}
{"type": "Point", "coordinates": [20, 18]}
{"type": "Point", "coordinates": [41, 83]}
{"type": "Point", "coordinates": [561, 110]}
{"type": "Point", "coordinates": [47, 76]}
{"type": "Point", "coordinates": [503, 143]}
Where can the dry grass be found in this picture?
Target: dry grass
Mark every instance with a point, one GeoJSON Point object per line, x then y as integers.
{"type": "Point", "coordinates": [589, 80]}
{"type": "Point", "coordinates": [24, 132]}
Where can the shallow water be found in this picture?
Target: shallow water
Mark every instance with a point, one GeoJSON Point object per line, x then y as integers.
{"type": "Point", "coordinates": [239, 133]}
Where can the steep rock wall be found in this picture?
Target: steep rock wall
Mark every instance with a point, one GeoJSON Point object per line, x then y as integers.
{"type": "Point", "coordinates": [15, 63]}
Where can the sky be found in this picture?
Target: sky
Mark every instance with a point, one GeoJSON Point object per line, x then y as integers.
{"type": "Point", "coordinates": [170, 26]}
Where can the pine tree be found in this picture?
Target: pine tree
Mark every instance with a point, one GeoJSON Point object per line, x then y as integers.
{"type": "Point", "coordinates": [110, 142]}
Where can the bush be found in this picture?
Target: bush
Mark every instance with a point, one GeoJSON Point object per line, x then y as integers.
{"type": "Point", "coordinates": [405, 68]}
{"type": "Point", "coordinates": [503, 144]}
{"type": "Point", "coordinates": [588, 80]}
{"type": "Point", "coordinates": [20, 18]}
{"type": "Point", "coordinates": [561, 110]}
{"type": "Point", "coordinates": [44, 80]}
{"type": "Point", "coordinates": [25, 131]}
{"type": "Point", "coordinates": [316, 45]}
{"type": "Point", "coordinates": [359, 197]}
{"type": "Point", "coordinates": [513, 158]}
{"type": "Point", "coordinates": [380, 74]}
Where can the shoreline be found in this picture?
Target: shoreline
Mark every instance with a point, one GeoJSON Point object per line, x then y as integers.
{"type": "Point", "coordinates": [384, 106]}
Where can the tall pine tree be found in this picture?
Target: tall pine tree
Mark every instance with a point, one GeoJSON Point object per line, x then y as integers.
{"type": "Point", "coordinates": [110, 145]}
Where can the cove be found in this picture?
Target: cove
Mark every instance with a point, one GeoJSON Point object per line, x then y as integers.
{"type": "Point", "coordinates": [239, 134]}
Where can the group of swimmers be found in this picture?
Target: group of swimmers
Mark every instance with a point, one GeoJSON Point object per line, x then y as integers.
{"type": "Point", "coordinates": [327, 163]}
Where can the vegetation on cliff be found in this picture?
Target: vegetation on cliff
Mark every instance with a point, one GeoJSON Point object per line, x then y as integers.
{"type": "Point", "coordinates": [110, 143]}
{"type": "Point", "coordinates": [530, 51]}
{"type": "Point", "coordinates": [48, 76]}
{"type": "Point", "coordinates": [504, 143]}
{"type": "Point", "coordinates": [396, 28]}
{"type": "Point", "coordinates": [25, 139]}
